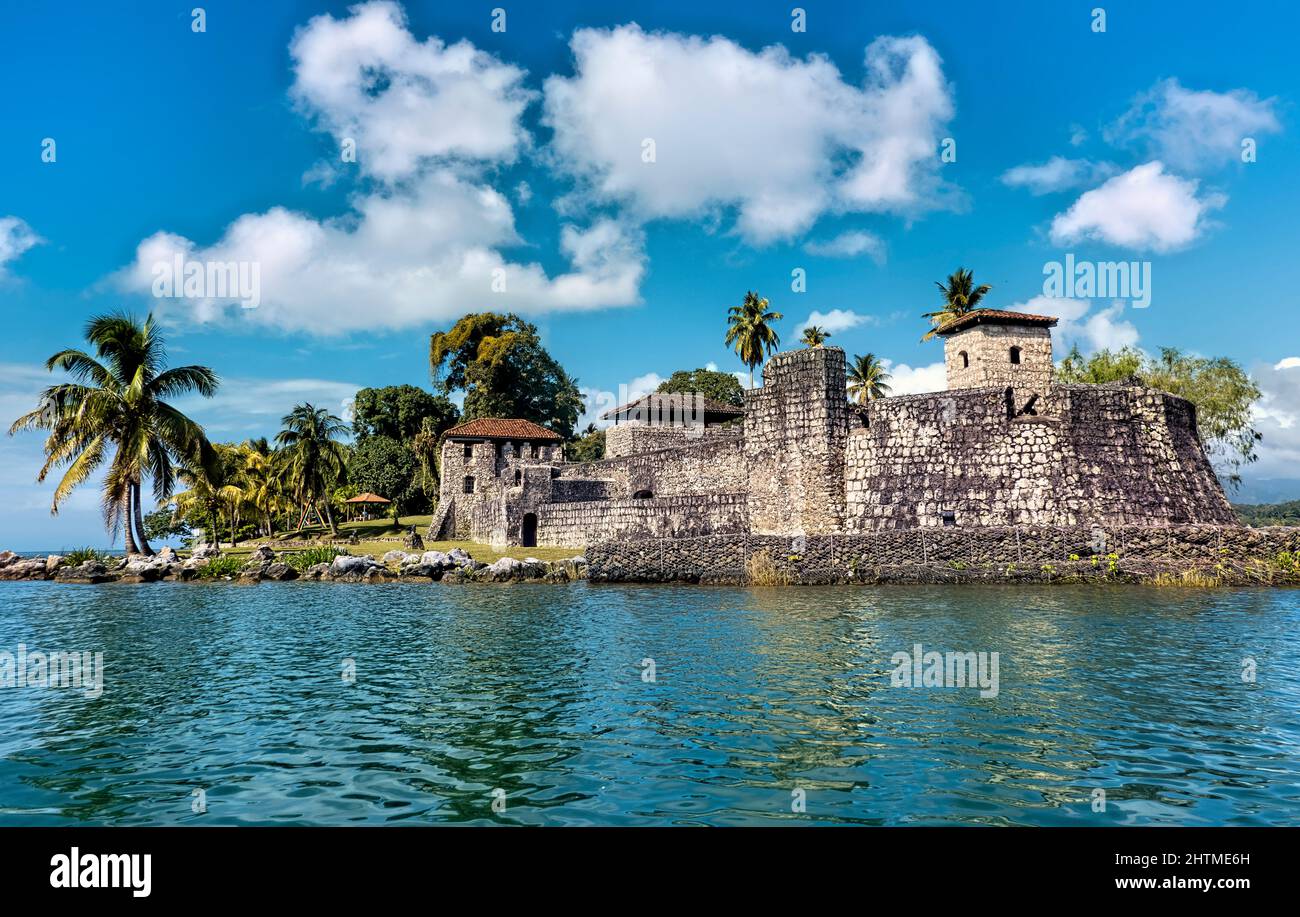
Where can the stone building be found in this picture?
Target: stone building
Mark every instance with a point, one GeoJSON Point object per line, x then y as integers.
{"type": "Point", "coordinates": [1003, 446]}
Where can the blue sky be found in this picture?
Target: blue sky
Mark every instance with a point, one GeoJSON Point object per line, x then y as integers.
{"type": "Point", "coordinates": [524, 151]}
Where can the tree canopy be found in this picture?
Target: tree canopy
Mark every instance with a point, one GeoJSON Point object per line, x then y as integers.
{"type": "Point", "coordinates": [710, 383]}
{"type": "Point", "coordinates": [398, 412]}
{"type": "Point", "coordinates": [1221, 390]}
{"type": "Point", "coordinates": [500, 363]}
{"type": "Point", "coordinates": [384, 466]}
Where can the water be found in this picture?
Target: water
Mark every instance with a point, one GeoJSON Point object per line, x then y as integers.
{"type": "Point", "coordinates": [538, 691]}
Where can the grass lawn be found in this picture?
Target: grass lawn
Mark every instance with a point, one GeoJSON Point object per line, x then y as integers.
{"type": "Point", "coordinates": [369, 531]}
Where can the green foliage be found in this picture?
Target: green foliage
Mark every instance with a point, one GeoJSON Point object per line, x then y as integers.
{"type": "Point", "coordinates": [1269, 513]}
{"type": "Point", "coordinates": [164, 525]}
{"type": "Point", "coordinates": [314, 462]}
{"type": "Point", "coordinates": [399, 412]}
{"type": "Point", "coordinates": [750, 331]}
{"type": "Point", "coordinates": [814, 336]}
{"type": "Point", "coordinates": [79, 556]}
{"type": "Point", "coordinates": [501, 365]}
{"type": "Point", "coordinates": [867, 379]}
{"type": "Point", "coordinates": [960, 295]}
{"type": "Point", "coordinates": [223, 565]}
{"type": "Point", "coordinates": [386, 467]}
{"type": "Point", "coordinates": [587, 446]}
{"type": "Point", "coordinates": [1221, 390]}
{"type": "Point", "coordinates": [310, 557]}
{"type": "Point", "coordinates": [710, 383]}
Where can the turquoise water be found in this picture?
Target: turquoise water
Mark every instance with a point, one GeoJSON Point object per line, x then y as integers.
{"type": "Point", "coordinates": [538, 691]}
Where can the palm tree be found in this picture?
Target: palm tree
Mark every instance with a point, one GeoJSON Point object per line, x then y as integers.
{"type": "Point", "coordinates": [113, 411]}
{"type": "Point", "coordinates": [814, 336]}
{"type": "Point", "coordinates": [750, 331]}
{"type": "Point", "coordinates": [258, 477]}
{"type": "Point", "coordinates": [960, 295]}
{"type": "Point", "coordinates": [210, 492]}
{"type": "Point", "coordinates": [867, 379]}
{"type": "Point", "coordinates": [315, 461]}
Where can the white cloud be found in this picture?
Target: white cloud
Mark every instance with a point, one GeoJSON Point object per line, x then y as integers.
{"type": "Point", "coordinates": [250, 406]}
{"type": "Point", "coordinates": [406, 103]}
{"type": "Point", "coordinates": [426, 254]}
{"type": "Point", "coordinates": [834, 321]}
{"type": "Point", "coordinates": [16, 237]}
{"type": "Point", "coordinates": [780, 139]}
{"type": "Point", "coordinates": [1144, 208]}
{"type": "Point", "coordinates": [1277, 417]}
{"type": "Point", "coordinates": [1058, 174]}
{"type": "Point", "coordinates": [1104, 329]}
{"type": "Point", "coordinates": [1078, 136]}
{"type": "Point", "coordinates": [1193, 130]}
{"type": "Point", "coordinates": [849, 245]}
{"type": "Point", "coordinates": [598, 401]}
{"type": "Point", "coordinates": [908, 380]}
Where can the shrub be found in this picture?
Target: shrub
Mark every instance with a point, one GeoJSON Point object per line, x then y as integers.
{"type": "Point", "coordinates": [225, 565]}
{"type": "Point", "coordinates": [79, 556]}
{"type": "Point", "coordinates": [762, 570]}
{"type": "Point", "coordinates": [310, 557]}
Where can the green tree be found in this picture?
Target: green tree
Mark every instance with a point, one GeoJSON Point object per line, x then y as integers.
{"type": "Point", "coordinates": [501, 365]}
{"type": "Point", "coordinates": [814, 336]}
{"type": "Point", "coordinates": [315, 460]}
{"type": "Point", "coordinates": [960, 295]}
{"type": "Point", "coordinates": [587, 446]}
{"type": "Point", "coordinates": [750, 331]}
{"type": "Point", "coordinates": [1221, 390]}
{"type": "Point", "coordinates": [114, 411]}
{"type": "Point", "coordinates": [385, 466]}
{"type": "Point", "coordinates": [717, 386]}
{"type": "Point", "coordinates": [399, 412]}
{"type": "Point", "coordinates": [867, 379]}
{"type": "Point", "coordinates": [164, 525]}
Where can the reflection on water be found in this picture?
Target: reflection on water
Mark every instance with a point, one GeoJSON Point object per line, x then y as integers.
{"type": "Point", "coordinates": [538, 691]}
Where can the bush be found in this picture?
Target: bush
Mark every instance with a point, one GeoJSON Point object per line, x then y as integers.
{"type": "Point", "coordinates": [763, 571]}
{"type": "Point", "coordinates": [217, 567]}
{"type": "Point", "coordinates": [303, 560]}
{"type": "Point", "coordinates": [79, 556]}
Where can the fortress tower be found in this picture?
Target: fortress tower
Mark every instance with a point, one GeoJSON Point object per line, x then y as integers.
{"type": "Point", "coordinates": [988, 348]}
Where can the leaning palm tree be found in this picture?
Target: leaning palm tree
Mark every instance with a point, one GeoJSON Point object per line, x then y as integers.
{"type": "Point", "coordinates": [114, 411]}
{"type": "Point", "coordinates": [750, 331]}
{"type": "Point", "coordinates": [867, 379]}
{"type": "Point", "coordinates": [814, 336]}
{"type": "Point", "coordinates": [315, 460]}
{"type": "Point", "coordinates": [960, 295]}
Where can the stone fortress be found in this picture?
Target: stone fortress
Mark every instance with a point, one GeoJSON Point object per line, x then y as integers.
{"type": "Point", "coordinates": [1002, 446]}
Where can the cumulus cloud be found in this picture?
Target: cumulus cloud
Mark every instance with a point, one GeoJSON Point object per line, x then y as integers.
{"type": "Point", "coordinates": [1058, 174]}
{"type": "Point", "coordinates": [780, 140]}
{"type": "Point", "coordinates": [16, 237]}
{"type": "Point", "coordinates": [850, 244]}
{"type": "Point", "coordinates": [1102, 329]}
{"type": "Point", "coordinates": [834, 321]}
{"type": "Point", "coordinates": [909, 380]}
{"type": "Point", "coordinates": [404, 102]}
{"type": "Point", "coordinates": [423, 255]}
{"type": "Point", "coordinates": [1193, 130]}
{"type": "Point", "coordinates": [1145, 208]}
{"type": "Point", "coordinates": [598, 401]}
{"type": "Point", "coordinates": [1277, 416]}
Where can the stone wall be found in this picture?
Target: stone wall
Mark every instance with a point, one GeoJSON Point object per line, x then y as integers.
{"type": "Point", "coordinates": [711, 464]}
{"type": "Point", "coordinates": [796, 426]}
{"type": "Point", "coordinates": [1002, 552]}
{"type": "Point", "coordinates": [581, 524]}
{"type": "Point", "coordinates": [1087, 454]}
{"type": "Point", "coordinates": [980, 356]}
{"type": "Point", "coordinates": [634, 438]}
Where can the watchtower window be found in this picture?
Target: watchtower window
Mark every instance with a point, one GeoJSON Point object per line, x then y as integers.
{"type": "Point", "coordinates": [519, 476]}
{"type": "Point", "coordinates": [965, 360]}
{"type": "Point", "coordinates": [469, 485]}
{"type": "Point", "coordinates": [949, 517]}
{"type": "Point", "coordinates": [1015, 355]}
{"type": "Point", "coordinates": [469, 450]}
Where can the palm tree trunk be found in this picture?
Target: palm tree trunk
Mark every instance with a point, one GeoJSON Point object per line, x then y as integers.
{"type": "Point", "coordinates": [128, 523]}
{"type": "Point", "coordinates": [138, 516]}
{"type": "Point", "coordinates": [329, 518]}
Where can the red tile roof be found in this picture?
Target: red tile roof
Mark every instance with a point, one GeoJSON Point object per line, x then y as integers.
{"type": "Point", "coordinates": [995, 317]}
{"type": "Point", "coordinates": [501, 428]}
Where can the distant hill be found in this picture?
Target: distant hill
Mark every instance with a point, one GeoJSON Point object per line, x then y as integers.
{"type": "Point", "coordinates": [1265, 490]}
{"type": "Point", "coordinates": [1269, 513]}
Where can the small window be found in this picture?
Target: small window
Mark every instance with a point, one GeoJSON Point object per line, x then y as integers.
{"type": "Point", "coordinates": [1015, 355]}
{"type": "Point", "coordinates": [534, 452]}
{"type": "Point", "coordinates": [469, 450]}
{"type": "Point", "coordinates": [642, 495]}
{"type": "Point", "coordinates": [949, 517]}
{"type": "Point", "coordinates": [469, 485]}
{"type": "Point", "coordinates": [519, 476]}
{"type": "Point", "coordinates": [965, 360]}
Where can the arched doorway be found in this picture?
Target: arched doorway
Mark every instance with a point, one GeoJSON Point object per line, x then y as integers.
{"type": "Point", "coordinates": [528, 531]}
